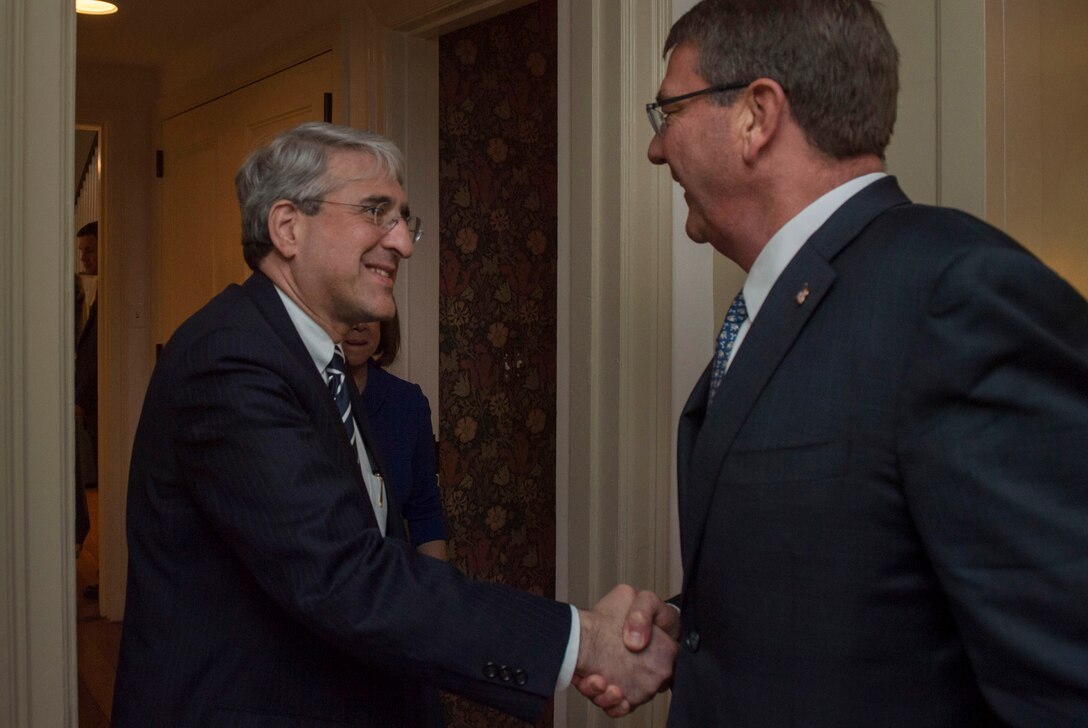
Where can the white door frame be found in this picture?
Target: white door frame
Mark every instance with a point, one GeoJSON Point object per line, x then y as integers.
{"type": "Point", "coordinates": [37, 485]}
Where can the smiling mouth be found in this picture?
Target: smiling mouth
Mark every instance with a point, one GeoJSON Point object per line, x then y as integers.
{"type": "Point", "coordinates": [381, 272]}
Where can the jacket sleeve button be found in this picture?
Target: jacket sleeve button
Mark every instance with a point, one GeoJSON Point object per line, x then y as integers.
{"type": "Point", "coordinates": [490, 670]}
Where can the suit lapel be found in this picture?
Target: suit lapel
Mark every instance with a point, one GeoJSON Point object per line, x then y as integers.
{"type": "Point", "coordinates": [772, 334]}
{"type": "Point", "coordinates": [691, 422]}
{"type": "Point", "coordinates": [263, 294]}
{"type": "Point", "coordinates": [394, 524]}
{"type": "Point", "coordinates": [705, 435]}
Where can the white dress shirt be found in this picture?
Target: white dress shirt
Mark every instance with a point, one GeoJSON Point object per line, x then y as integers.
{"type": "Point", "coordinates": [321, 347]}
{"type": "Point", "coordinates": [783, 246]}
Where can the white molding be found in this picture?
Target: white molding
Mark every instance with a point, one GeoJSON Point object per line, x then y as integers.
{"type": "Point", "coordinates": [619, 276]}
{"type": "Point", "coordinates": [913, 155]}
{"type": "Point", "coordinates": [645, 416]}
{"type": "Point", "coordinates": [431, 18]}
{"type": "Point", "coordinates": [646, 306]}
{"type": "Point", "coordinates": [37, 610]}
{"type": "Point", "coordinates": [961, 93]}
{"type": "Point", "coordinates": [591, 443]}
{"type": "Point", "coordinates": [996, 110]}
{"type": "Point", "coordinates": [412, 121]}
{"type": "Point", "coordinates": [697, 278]}
{"type": "Point", "coordinates": [365, 60]}
{"type": "Point", "coordinates": [938, 151]}
{"type": "Point", "coordinates": [563, 337]}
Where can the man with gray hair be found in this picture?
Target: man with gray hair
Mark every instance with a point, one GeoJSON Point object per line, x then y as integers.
{"type": "Point", "coordinates": [881, 473]}
{"type": "Point", "coordinates": [270, 582]}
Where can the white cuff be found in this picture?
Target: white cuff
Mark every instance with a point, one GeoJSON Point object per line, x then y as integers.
{"type": "Point", "coordinates": [570, 659]}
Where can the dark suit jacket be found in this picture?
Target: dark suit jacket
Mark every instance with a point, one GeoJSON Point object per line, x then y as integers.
{"type": "Point", "coordinates": [260, 592]}
{"type": "Point", "coordinates": [400, 419]}
{"type": "Point", "coordinates": [86, 387]}
{"type": "Point", "coordinates": [884, 514]}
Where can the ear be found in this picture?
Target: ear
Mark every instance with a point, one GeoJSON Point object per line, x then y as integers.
{"type": "Point", "coordinates": [286, 227]}
{"type": "Point", "coordinates": [765, 104]}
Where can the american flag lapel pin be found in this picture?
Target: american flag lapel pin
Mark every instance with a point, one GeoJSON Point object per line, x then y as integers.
{"type": "Point", "coordinates": [801, 295]}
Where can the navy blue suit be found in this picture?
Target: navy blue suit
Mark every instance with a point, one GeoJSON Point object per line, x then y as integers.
{"type": "Point", "coordinates": [260, 592]}
{"type": "Point", "coordinates": [400, 419]}
{"type": "Point", "coordinates": [884, 512]}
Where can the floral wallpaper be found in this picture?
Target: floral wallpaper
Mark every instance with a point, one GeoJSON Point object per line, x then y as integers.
{"type": "Point", "coordinates": [497, 305]}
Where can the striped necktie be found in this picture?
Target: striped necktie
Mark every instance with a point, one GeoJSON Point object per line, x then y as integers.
{"type": "Point", "coordinates": [339, 390]}
{"type": "Point", "coordinates": [736, 315]}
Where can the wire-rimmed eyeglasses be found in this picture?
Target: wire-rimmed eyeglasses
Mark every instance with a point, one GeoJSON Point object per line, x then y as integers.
{"type": "Point", "coordinates": [384, 217]}
{"type": "Point", "coordinates": [659, 119]}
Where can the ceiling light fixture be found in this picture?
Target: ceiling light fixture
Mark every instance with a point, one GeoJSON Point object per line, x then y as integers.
{"type": "Point", "coordinates": [95, 7]}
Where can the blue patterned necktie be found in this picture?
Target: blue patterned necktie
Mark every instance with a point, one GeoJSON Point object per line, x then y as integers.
{"type": "Point", "coordinates": [736, 316]}
{"type": "Point", "coordinates": [339, 390]}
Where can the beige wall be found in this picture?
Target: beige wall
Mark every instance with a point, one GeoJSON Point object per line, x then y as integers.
{"type": "Point", "coordinates": [119, 101]}
{"type": "Point", "coordinates": [1037, 56]}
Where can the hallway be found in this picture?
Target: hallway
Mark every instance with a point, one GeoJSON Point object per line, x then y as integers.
{"type": "Point", "coordinates": [98, 639]}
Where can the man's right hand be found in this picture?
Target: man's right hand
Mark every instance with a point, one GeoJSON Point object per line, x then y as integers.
{"type": "Point", "coordinates": [627, 650]}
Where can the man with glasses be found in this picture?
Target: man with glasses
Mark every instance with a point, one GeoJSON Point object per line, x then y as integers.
{"type": "Point", "coordinates": [882, 491]}
{"type": "Point", "coordinates": [270, 581]}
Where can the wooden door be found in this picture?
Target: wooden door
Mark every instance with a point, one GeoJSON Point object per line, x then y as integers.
{"type": "Point", "coordinates": [201, 249]}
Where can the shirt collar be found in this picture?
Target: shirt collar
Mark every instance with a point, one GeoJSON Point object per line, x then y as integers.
{"type": "Point", "coordinates": [317, 340]}
{"type": "Point", "coordinates": [783, 246]}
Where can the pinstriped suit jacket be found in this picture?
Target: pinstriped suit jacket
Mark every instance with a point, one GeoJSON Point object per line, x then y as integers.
{"type": "Point", "coordinates": [259, 589]}
{"type": "Point", "coordinates": [884, 513]}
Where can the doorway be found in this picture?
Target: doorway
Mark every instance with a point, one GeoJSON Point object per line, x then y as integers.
{"type": "Point", "coordinates": [97, 639]}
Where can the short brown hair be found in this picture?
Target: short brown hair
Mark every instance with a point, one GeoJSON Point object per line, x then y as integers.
{"type": "Point", "coordinates": [835, 59]}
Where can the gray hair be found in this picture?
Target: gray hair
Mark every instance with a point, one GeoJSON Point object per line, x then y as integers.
{"type": "Point", "coordinates": [292, 167]}
{"type": "Point", "coordinates": [835, 59]}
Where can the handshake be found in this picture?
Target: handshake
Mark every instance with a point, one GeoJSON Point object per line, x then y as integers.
{"type": "Point", "coordinates": [627, 649]}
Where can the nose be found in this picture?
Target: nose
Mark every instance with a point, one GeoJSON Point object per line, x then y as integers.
{"type": "Point", "coordinates": [656, 151]}
{"type": "Point", "coordinates": [399, 239]}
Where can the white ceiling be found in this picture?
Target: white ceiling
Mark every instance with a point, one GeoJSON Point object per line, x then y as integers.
{"type": "Point", "coordinates": [151, 32]}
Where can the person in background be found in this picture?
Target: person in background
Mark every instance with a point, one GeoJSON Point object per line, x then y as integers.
{"type": "Point", "coordinates": [87, 340]}
{"type": "Point", "coordinates": [86, 381]}
{"type": "Point", "coordinates": [400, 418]}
